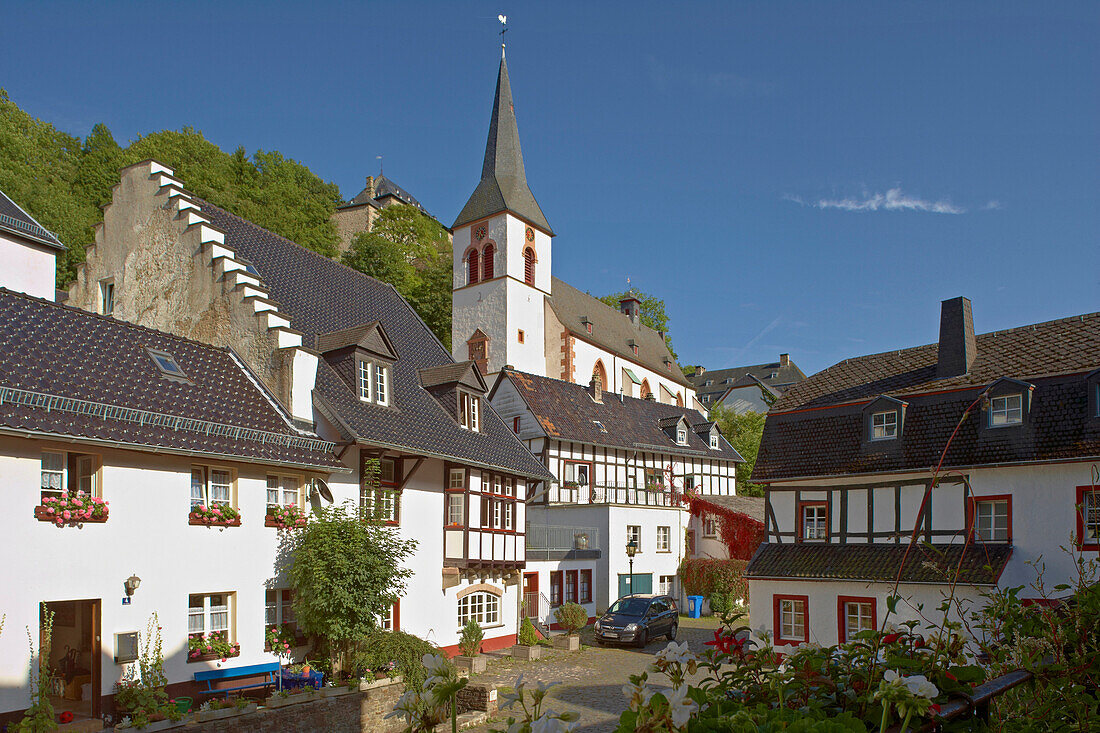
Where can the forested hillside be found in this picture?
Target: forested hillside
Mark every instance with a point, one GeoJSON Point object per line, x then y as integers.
{"type": "Point", "coordinates": [63, 180]}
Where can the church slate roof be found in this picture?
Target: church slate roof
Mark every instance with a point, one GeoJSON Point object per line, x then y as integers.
{"type": "Point", "coordinates": [982, 564]}
{"type": "Point", "coordinates": [321, 296]}
{"type": "Point", "coordinates": [503, 185]}
{"type": "Point", "coordinates": [15, 220]}
{"type": "Point", "coordinates": [612, 330]}
{"type": "Point", "coordinates": [817, 426]}
{"type": "Point", "coordinates": [567, 411]}
{"type": "Point", "coordinates": [97, 374]}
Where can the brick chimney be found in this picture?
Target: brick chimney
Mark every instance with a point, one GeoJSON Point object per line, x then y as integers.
{"type": "Point", "coordinates": [958, 346]}
{"type": "Point", "coordinates": [597, 388]}
{"type": "Point", "coordinates": [632, 307]}
{"type": "Point", "coordinates": [784, 360]}
{"type": "Point", "coordinates": [370, 186]}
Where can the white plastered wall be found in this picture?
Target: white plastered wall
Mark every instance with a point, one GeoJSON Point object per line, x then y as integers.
{"type": "Point", "coordinates": [28, 268]}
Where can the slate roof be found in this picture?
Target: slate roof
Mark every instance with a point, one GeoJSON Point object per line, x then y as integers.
{"type": "Point", "coordinates": [67, 372]}
{"type": "Point", "coordinates": [743, 376]}
{"type": "Point", "coordinates": [15, 220]}
{"type": "Point", "coordinates": [612, 330]}
{"type": "Point", "coordinates": [751, 506]}
{"type": "Point", "coordinates": [321, 296]}
{"type": "Point", "coordinates": [981, 564]}
{"type": "Point", "coordinates": [503, 185]}
{"type": "Point", "coordinates": [383, 187]}
{"type": "Point", "coordinates": [566, 410]}
{"type": "Point", "coordinates": [817, 428]}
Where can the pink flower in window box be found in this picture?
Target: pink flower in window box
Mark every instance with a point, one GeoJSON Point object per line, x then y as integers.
{"type": "Point", "coordinates": [66, 515]}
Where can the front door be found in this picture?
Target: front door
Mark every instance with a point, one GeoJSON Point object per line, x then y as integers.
{"type": "Point", "coordinates": [531, 595]}
{"type": "Point", "coordinates": [74, 656]}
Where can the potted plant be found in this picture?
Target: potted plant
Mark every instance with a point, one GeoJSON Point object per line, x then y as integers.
{"type": "Point", "coordinates": [527, 642]}
{"type": "Point", "coordinates": [572, 617]}
{"type": "Point", "coordinates": [470, 644]}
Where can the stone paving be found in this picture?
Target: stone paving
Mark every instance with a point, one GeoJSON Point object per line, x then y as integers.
{"type": "Point", "coordinates": [591, 679]}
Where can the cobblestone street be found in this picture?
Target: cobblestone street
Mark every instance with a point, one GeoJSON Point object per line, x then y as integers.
{"type": "Point", "coordinates": [591, 679]}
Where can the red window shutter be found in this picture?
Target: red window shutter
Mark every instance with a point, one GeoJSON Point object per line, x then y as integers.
{"type": "Point", "coordinates": [487, 262]}
{"type": "Point", "coordinates": [473, 267]}
{"type": "Point", "coordinates": [529, 266]}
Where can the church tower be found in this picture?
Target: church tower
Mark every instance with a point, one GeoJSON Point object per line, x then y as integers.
{"type": "Point", "coordinates": [501, 256]}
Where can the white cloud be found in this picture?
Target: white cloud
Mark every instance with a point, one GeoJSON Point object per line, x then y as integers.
{"type": "Point", "coordinates": [992, 205]}
{"type": "Point", "coordinates": [892, 200]}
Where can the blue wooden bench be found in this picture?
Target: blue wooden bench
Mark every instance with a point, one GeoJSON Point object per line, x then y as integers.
{"type": "Point", "coordinates": [213, 676]}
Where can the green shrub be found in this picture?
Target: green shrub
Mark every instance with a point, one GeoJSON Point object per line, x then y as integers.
{"type": "Point", "coordinates": [704, 577]}
{"type": "Point", "coordinates": [721, 603]}
{"type": "Point", "coordinates": [527, 635]}
{"type": "Point", "coordinates": [393, 652]}
{"type": "Point", "coordinates": [572, 617]}
{"type": "Point", "coordinates": [470, 641]}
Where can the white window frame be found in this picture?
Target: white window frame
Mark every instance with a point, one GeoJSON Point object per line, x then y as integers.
{"type": "Point", "coordinates": [381, 384]}
{"type": "Point", "coordinates": [571, 470]}
{"type": "Point", "coordinates": [456, 509]}
{"type": "Point", "coordinates": [884, 425]}
{"type": "Point", "coordinates": [386, 621]}
{"type": "Point", "coordinates": [206, 494]}
{"type": "Point", "coordinates": [1003, 413]}
{"type": "Point", "coordinates": [107, 296]}
{"type": "Point", "coordinates": [664, 539]}
{"type": "Point", "coordinates": [208, 612]}
{"type": "Point", "coordinates": [385, 500]}
{"type": "Point", "coordinates": [864, 621]}
{"type": "Point", "coordinates": [482, 606]}
{"type": "Point", "coordinates": [634, 532]}
{"type": "Point", "coordinates": [457, 478]}
{"type": "Point", "coordinates": [1090, 517]}
{"type": "Point", "coordinates": [87, 481]}
{"type": "Point", "coordinates": [815, 527]}
{"type": "Point", "coordinates": [991, 525]}
{"type": "Point", "coordinates": [277, 489]}
{"type": "Point", "coordinates": [279, 607]}
{"type": "Point", "coordinates": [789, 614]}
{"type": "Point", "coordinates": [666, 585]}
{"type": "Point", "coordinates": [681, 436]}
{"type": "Point", "coordinates": [710, 526]}
{"type": "Point", "coordinates": [713, 441]}
{"type": "Point", "coordinates": [469, 409]}
{"type": "Point", "coordinates": [363, 373]}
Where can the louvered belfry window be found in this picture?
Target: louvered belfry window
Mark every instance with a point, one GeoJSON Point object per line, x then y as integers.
{"type": "Point", "coordinates": [471, 267]}
{"type": "Point", "coordinates": [529, 266]}
{"type": "Point", "coordinates": [487, 257]}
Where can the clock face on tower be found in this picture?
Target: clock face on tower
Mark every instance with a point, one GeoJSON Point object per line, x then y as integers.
{"type": "Point", "coordinates": [480, 232]}
{"type": "Point", "coordinates": [530, 234]}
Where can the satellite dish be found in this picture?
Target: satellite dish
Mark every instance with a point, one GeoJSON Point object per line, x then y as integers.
{"type": "Point", "coordinates": [320, 487]}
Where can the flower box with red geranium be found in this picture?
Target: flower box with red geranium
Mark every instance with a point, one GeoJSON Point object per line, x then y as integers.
{"type": "Point", "coordinates": [207, 647]}
{"type": "Point", "coordinates": [72, 509]}
{"type": "Point", "coordinates": [215, 515]}
{"type": "Point", "coordinates": [285, 517]}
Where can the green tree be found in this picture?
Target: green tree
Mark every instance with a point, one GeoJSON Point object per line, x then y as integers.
{"type": "Point", "coordinates": [412, 252]}
{"type": "Point", "coordinates": [346, 571]}
{"type": "Point", "coordinates": [743, 431]}
{"type": "Point", "coordinates": [652, 311]}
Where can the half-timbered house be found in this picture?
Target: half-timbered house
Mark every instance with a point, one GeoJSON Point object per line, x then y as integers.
{"type": "Point", "coordinates": [849, 456]}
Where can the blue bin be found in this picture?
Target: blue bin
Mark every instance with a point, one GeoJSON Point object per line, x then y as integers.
{"type": "Point", "coordinates": [695, 606]}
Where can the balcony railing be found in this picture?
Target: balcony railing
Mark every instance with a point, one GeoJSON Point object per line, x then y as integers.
{"type": "Point", "coordinates": [567, 493]}
{"type": "Point", "coordinates": [562, 539]}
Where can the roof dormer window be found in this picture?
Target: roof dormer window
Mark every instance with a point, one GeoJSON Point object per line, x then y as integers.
{"type": "Point", "coordinates": [682, 436]}
{"type": "Point", "coordinates": [1006, 410]}
{"type": "Point", "coordinates": [713, 440]}
{"type": "Point", "coordinates": [469, 411]}
{"type": "Point", "coordinates": [373, 382]}
{"type": "Point", "coordinates": [884, 425]}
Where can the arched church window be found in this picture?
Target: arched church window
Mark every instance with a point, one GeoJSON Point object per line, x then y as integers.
{"type": "Point", "coordinates": [529, 265]}
{"type": "Point", "coordinates": [599, 371]}
{"type": "Point", "coordinates": [472, 270]}
{"type": "Point", "coordinates": [487, 257]}
{"type": "Point", "coordinates": [679, 400]}
{"type": "Point", "coordinates": [645, 391]}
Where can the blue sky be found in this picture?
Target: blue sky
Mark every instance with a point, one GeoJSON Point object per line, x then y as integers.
{"type": "Point", "coordinates": [811, 178]}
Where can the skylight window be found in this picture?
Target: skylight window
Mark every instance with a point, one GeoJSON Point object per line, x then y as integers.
{"type": "Point", "coordinates": [166, 363]}
{"type": "Point", "coordinates": [599, 425]}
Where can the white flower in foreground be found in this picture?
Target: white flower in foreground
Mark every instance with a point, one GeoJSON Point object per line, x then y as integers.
{"type": "Point", "coordinates": [549, 722]}
{"type": "Point", "coordinates": [404, 707]}
{"type": "Point", "coordinates": [681, 706]}
{"type": "Point", "coordinates": [435, 664]}
{"type": "Point", "coordinates": [920, 686]}
{"type": "Point", "coordinates": [639, 695]}
{"type": "Point", "coordinates": [676, 653]}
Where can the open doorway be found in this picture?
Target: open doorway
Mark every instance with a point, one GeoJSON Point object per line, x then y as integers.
{"type": "Point", "coordinates": [75, 657]}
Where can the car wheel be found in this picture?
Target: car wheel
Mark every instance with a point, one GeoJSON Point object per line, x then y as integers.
{"type": "Point", "coordinates": [643, 639]}
{"type": "Point", "coordinates": [672, 633]}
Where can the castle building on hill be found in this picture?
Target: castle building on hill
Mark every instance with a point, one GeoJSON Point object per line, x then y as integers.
{"type": "Point", "coordinates": [509, 309]}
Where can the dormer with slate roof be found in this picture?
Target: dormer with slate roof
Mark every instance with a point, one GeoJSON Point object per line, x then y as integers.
{"type": "Point", "coordinates": [460, 389]}
{"type": "Point", "coordinates": [363, 356]}
{"type": "Point", "coordinates": [676, 428]}
{"type": "Point", "coordinates": [28, 251]}
{"type": "Point", "coordinates": [883, 423]}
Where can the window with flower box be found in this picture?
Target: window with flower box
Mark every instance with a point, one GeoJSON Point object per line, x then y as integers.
{"type": "Point", "coordinates": [212, 496]}
{"type": "Point", "coordinates": [210, 628]}
{"type": "Point", "coordinates": [481, 607]}
{"type": "Point", "coordinates": [70, 488]}
{"type": "Point", "coordinates": [279, 619]}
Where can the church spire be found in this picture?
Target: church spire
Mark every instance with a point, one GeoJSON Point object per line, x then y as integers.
{"type": "Point", "coordinates": [503, 185]}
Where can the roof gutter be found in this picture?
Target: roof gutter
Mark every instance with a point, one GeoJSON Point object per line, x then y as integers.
{"type": "Point", "coordinates": [926, 469]}
{"type": "Point", "coordinates": [790, 578]}
{"type": "Point", "coordinates": [42, 435]}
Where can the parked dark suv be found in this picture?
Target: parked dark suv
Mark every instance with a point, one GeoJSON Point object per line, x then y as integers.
{"type": "Point", "coordinates": [637, 619]}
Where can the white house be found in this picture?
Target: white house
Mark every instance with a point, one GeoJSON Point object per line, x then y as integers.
{"type": "Point", "coordinates": [28, 251]}
{"type": "Point", "coordinates": [848, 455]}
{"type": "Point", "coordinates": [620, 465]}
{"type": "Point", "coordinates": [508, 309]}
{"type": "Point", "coordinates": [337, 361]}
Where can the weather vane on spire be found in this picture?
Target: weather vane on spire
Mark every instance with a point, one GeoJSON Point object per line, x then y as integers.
{"type": "Point", "coordinates": [503, 29]}
{"type": "Point", "coordinates": [379, 157]}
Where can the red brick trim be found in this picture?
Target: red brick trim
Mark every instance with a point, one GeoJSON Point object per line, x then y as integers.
{"type": "Point", "coordinates": [842, 614]}
{"type": "Point", "coordinates": [776, 600]}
